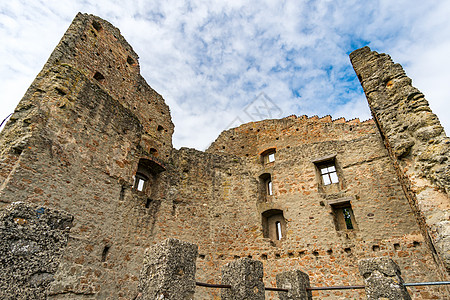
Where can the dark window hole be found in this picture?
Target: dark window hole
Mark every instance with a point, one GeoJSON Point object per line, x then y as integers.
{"type": "Point", "coordinates": [277, 255]}
{"type": "Point", "coordinates": [250, 256]}
{"type": "Point", "coordinates": [329, 252]}
{"type": "Point", "coordinates": [201, 256]}
{"type": "Point", "coordinates": [290, 254]}
{"type": "Point", "coordinates": [122, 193]}
{"type": "Point", "coordinates": [416, 244]}
{"type": "Point", "coordinates": [376, 248]}
{"type": "Point", "coordinates": [148, 202]}
{"type": "Point", "coordinates": [396, 246]}
{"type": "Point", "coordinates": [347, 250]}
{"type": "Point", "coordinates": [160, 128]}
{"type": "Point", "coordinates": [97, 26]}
{"type": "Point", "coordinates": [302, 253]}
{"type": "Point", "coordinates": [237, 257]}
{"type": "Point", "coordinates": [60, 91]}
{"type": "Point", "coordinates": [264, 256]}
{"type": "Point", "coordinates": [315, 253]}
{"type": "Point", "coordinates": [105, 253]}
{"type": "Point", "coordinates": [99, 77]}
{"type": "Point", "coordinates": [130, 61]}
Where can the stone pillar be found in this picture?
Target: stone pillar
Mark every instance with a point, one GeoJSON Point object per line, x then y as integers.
{"type": "Point", "coordinates": [245, 276]}
{"type": "Point", "coordinates": [296, 282]}
{"type": "Point", "coordinates": [169, 271]}
{"type": "Point", "coordinates": [32, 240]}
{"type": "Point", "coordinates": [416, 142]}
{"type": "Point", "coordinates": [382, 279]}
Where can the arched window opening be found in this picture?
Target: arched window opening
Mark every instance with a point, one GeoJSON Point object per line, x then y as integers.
{"type": "Point", "coordinates": [268, 156]}
{"type": "Point", "coordinates": [140, 182]}
{"type": "Point", "coordinates": [274, 224]}
{"type": "Point", "coordinates": [145, 179]}
{"type": "Point", "coordinates": [266, 185]}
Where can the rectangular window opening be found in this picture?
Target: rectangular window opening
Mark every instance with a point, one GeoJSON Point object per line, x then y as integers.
{"type": "Point", "coordinates": [328, 173]}
{"type": "Point", "coordinates": [344, 217]}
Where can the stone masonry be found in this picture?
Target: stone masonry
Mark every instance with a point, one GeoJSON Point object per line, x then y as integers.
{"type": "Point", "coordinates": [32, 240]}
{"type": "Point", "coordinates": [92, 138]}
{"type": "Point", "coordinates": [415, 140]}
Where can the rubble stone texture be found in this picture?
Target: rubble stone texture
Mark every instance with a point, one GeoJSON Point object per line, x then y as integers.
{"type": "Point", "coordinates": [89, 127]}
{"type": "Point", "coordinates": [169, 271]}
{"type": "Point", "coordinates": [415, 139]}
{"type": "Point", "coordinates": [32, 240]}
{"type": "Point", "coordinates": [245, 276]}
{"type": "Point", "coordinates": [382, 279]}
{"type": "Point", "coordinates": [296, 282]}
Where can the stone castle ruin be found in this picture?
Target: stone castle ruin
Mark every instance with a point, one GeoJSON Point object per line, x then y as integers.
{"type": "Point", "coordinates": [92, 139]}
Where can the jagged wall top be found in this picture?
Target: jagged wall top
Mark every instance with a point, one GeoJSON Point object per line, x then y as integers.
{"type": "Point", "coordinates": [97, 49]}
{"type": "Point", "coordinates": [253, 138]}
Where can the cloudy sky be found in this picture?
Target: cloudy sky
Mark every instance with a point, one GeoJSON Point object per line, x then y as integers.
{"type": "Point", "coordinates": [219, 63]}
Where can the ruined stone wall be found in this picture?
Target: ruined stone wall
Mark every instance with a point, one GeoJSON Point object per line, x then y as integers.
{"type": "Point", "coordinates": [385, 223]}
{"type": "Point", "coordinates": [89, 124]}
{"type": "Point", "coordinates": [415, 140]}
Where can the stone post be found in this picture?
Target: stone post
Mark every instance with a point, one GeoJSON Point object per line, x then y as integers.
{"type": "Point", "coordinates": [296, 282]}
{"type": "Point", "coordinates": [32, 241]}
{"type": "Point", "coordinates": [382, 279]}
{"type": "Point", "coordinates": [169, 271]}
{"type": "Point", "coordinates": [245, 276]}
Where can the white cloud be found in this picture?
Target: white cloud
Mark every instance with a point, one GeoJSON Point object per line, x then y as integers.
{"type": "Point", "coordinates": [210, 59]}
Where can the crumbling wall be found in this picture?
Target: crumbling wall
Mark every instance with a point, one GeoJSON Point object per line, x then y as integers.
{"type": "Point", "coordinates": [385, 223]}
{"type": "Point", "coordinates": [32, 240]}
{"type": "Point", "coordinates": [415, 140]}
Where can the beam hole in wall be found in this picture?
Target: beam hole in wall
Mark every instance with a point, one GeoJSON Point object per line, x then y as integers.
{"type": "Point", "coordinates": [153, 152]}
{"type": "Point", "coordinates": [105, 252]}
{"type": "Point", "coordinates": [99, 77]}
{"type": "Point", "coordinates": [97, 26]}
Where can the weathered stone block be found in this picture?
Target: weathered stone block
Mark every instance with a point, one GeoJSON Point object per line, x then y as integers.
{"type": "Point", "coordinates": [169, 271]}
{"type": "Point", "coordinates": [296, 282]}
{"type": "Point", "coordinates": [32, 240]}
{"type": "Point", "coordinates": [245, 276]}
{"type": "Point", "coordinates": [382, 279]}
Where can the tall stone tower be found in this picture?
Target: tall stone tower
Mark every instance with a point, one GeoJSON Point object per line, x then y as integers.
{"type": "Point", "coordinates": [88, 129]}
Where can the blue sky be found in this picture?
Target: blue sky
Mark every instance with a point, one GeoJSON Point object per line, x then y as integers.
{"type": "Point", "coordinates": [210, 60]}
